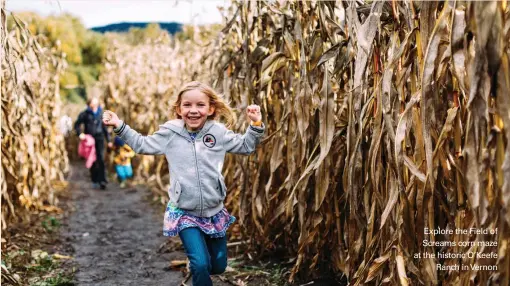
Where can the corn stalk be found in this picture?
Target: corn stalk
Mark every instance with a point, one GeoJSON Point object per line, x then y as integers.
{"type": "Point", "coordinates": [34, 159]}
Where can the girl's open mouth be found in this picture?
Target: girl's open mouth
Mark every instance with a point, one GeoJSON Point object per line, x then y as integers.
{"type": "Point", "coordinates": [194, 118]}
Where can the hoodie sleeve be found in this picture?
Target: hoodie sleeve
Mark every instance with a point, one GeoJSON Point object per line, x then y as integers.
{"type": "Point", "coordinates": [154, 144]}
{"type": "Point", "coordinates": [243, 144]}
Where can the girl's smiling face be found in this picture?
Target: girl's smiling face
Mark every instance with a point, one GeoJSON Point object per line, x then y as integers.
{"type": "Point", "coordinates": [194, 109]}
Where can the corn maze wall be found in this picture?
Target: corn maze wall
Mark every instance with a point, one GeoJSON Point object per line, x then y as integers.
{"type": "Point", "coordinates": [383, 119]}
{"type": "Point", "coordinates": [34, 158]}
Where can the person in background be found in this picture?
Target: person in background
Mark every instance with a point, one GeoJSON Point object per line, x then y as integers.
{"type": "Point", "coordinates": [123, 155]}
{"type": "Point", "coordinates": [91, 119]}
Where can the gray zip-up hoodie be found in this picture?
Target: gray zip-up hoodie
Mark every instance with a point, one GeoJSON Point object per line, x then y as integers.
{"type": "Point", "coordinates": [196, 183]}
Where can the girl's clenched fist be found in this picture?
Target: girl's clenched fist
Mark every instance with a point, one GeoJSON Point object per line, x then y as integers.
{"type": "Point", "coordinates": [111, 119]}
{"type": "Point", "coordinates": [253, 112]}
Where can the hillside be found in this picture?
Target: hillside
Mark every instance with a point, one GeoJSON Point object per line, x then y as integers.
{"type": "Point", "coordinates": [171, 27]}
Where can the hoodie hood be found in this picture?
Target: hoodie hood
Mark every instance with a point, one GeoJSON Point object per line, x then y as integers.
{"type": "Point", "coordinates": [177, 125]}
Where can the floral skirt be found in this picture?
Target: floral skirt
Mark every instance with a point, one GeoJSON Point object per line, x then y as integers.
{"type": "Point", "coordinates": [177, 219]}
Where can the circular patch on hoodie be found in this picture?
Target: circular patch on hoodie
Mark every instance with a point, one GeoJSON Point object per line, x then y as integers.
{"type": "Point", "coordinates": [209, 140]}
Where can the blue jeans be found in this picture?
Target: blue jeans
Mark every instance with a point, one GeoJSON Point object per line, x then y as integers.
{"type": "Point", "coordinates": [206, 255]}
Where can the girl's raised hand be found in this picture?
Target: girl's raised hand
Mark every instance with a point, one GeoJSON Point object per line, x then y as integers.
{"type": "Point", "coordinates": [253, 112]}
{"type": "Point", "coordinates": [111, 119]}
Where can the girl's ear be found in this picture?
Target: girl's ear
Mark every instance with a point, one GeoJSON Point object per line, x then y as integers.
{"type": "Point", "coordinates": [178, 110]}
{"type": "Point", "coordinates": [212, 108]}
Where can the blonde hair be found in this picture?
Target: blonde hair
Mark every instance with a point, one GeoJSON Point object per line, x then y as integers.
{"type": "Point", "coordinates": [221, 108]}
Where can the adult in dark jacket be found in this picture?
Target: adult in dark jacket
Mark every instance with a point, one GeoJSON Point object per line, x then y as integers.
{"type": "Point", "coordinates": [91, 119]}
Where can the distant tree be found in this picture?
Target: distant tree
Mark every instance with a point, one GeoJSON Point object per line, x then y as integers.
{"type": "Point", "coordinates": [94, 48]}
{"type": "Point", "coordinates": [85, 50]}
{"type": "Point", "coordinates": [62, 29]}
{"type": "Point", "coordinates": [69, 79]}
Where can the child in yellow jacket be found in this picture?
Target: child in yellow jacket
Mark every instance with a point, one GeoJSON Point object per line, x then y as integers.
{"type": "Point", "coordinates": [123, 155]}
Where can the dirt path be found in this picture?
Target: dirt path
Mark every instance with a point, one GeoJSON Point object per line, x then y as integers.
{"type": "Point", "coordinates": [117, 235]}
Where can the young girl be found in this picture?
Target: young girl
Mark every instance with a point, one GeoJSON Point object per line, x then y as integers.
{"type": "Point", "coordinates": [195, 146]}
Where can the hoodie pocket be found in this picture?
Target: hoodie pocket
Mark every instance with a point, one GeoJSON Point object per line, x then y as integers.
{"type": "Point", "coordinates": [222, 187]}
{"type": "Point", "coordinates": [185, 197]}
{"type": "Point", "coordinates": [214, 192]}
{"type": "Point", "coordinates": [175, 191]}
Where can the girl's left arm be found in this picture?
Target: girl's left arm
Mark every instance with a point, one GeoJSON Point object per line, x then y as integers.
{"type": "Point", "coordinates": [246, 143]}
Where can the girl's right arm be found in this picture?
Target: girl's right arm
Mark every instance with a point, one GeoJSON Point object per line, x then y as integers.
{"type": "Point", "coordinates": [154, 144]}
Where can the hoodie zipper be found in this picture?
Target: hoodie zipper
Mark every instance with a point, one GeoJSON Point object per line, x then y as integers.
{"type": "Point", "coordinates": [198, 177]}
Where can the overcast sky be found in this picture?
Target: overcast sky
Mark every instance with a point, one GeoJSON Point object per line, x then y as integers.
{"type": "Point", "coordinates": [98, 13]}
